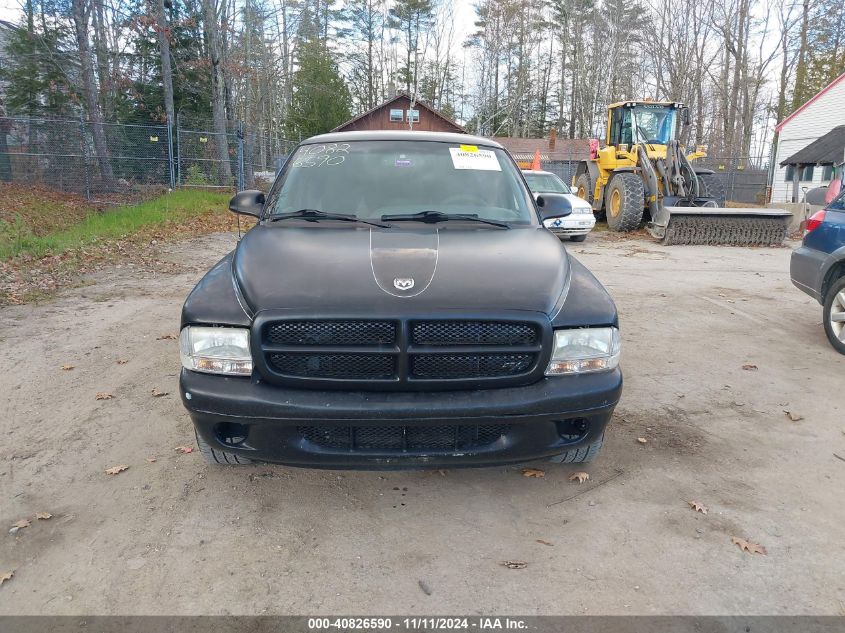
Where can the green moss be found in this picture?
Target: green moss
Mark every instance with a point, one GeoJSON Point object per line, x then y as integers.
{"type": "Point", "coordinates": [17, 239]}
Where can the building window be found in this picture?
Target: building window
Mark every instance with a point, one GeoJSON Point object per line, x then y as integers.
{"type": "Point", "coordinates": [790, 173]}
{"type": "Point", "coordinates": [396, 114]}
{"type": "Point", "coordinates": [827, 174]}
{"type": "Point", "coordinates": [807, 173]}
{"type": "Point", "coordinates": [413, 116]}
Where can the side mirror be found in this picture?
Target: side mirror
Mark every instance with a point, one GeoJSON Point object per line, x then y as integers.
{"type": "Point", "coordinates": [249, 202]}
{"type": "Point", "coordinates": [553, 205]}
{"type": "Point", "coordinates": [686, 119]}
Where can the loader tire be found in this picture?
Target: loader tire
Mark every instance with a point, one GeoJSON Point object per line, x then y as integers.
{"type": "Point", "coordinates": [624, 202]}
{"type": "Point", "coordinates": [584, 187]}
{"type": "Point", "coordinates": [711, 186]}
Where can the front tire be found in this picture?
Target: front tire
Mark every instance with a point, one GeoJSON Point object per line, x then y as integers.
{"type": "Point", "coordinates": [834, 315]}
{"type": "Point", "coordinates": [578, 238]}
{"type": "Point", "coordinates": [580, 455]}
{"type": "Point", "coordinates": [215, 456]}
{"type": "Point", "coordinates": [624, 202]}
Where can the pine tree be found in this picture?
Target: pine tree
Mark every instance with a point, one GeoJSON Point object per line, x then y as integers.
{"type": "Point", "coordinates": [321, 99]}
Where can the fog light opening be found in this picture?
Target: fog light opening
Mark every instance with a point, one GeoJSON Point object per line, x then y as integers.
{"type": "Point", "coordinates": [572, 429]}
{"type": "Point", "coordinates": [231, 433]}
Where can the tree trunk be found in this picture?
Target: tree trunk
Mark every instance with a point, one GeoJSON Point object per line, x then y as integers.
{"type": "Point", "coordinates": [163, 33]}
{"type": "Point", "coordinates": [81, 13]}
{"type": "Point", "coordinates": [218, 91]}
{"type": "Point", "coordinates": [798, 96]}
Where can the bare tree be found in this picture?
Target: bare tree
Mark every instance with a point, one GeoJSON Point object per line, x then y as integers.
{"type": "Point", "coordinates": [81, 12]}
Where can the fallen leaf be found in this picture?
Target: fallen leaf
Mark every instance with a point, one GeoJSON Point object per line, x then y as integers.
{"type": "Point", "coordinates": [6, 576]}
{"type": "Point", "coordinates": [102, 395]}
{"type": "Point", "coordinates": [642, 440]}
{"type": "Point", "coordinates": [23, 523]}
{"type": "Point", "coordinates": [158, 394]}
{"type": "Point", "coordinates": [793, 417]}
{"type": "Point", "coordinates": [748, 546]}
{"type": "Point", "coordinates": [68, 367]}
{"type": "Point", "coordinates": [116, 469]}
{"type": "Point", "coordinates": [514, 564]}
{"type": "Point", "coordinates": [43, 516]}
{"type": "Point", "coordinates": [121, 361]}
{"type": "Point", "coordinates": [580, 476]}
{"type": "Point", "coordinates": [167, 337]}
{"type": "Point", "coordinates": [533, 472]}
{"type": "Point", "coordinates": [698, 507]}
{"type": "Point", "coordinates": [542, 542]}
{"type": "Point", "coordinates": [750, 367]}
{"type": "Point", "coordinates": [185, 449]}
{"type": "Point", "coordinates": [151, 460]}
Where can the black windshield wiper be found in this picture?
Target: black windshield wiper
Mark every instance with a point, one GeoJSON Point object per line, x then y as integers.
{"type": "Point", "coordinates": [315, 215]}
{"type": "Point", "coordinates": [438, 216]}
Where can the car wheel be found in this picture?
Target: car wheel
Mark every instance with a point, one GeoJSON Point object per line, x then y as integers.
{"type": "Point", "coordinates": [579, 455]}
{"type": "Point", "coordinates": [215, 456]}
{"type": "Point", "coordinates": [578, 238]}
{"type": "Point", "coordinates": [834, 315]}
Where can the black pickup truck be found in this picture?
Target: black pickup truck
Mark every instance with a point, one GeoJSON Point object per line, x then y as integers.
{"type": "Point", "coordinates": [399, 304]}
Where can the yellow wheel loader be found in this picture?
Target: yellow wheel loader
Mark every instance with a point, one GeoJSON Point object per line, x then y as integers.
{"type": "Point", "coordinates": [644, 170]}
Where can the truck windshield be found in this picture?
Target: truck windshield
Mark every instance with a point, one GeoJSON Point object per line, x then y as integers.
{"type": "Point", "coordinates": [653, 124]}
{"type": "Point", "coordinates": [546, 183]}
{"type": "Point", "coordinates": [371, 179]}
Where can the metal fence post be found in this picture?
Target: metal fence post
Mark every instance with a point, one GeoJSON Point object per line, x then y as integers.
{"type": "Point", "coordinates": [240, 136]}
{"type": "Point", "coordinates": [178, 153]}
{"type": "Point", "coordinates": [170, 152]}
{"type": "Point", "coordinates": [82, 146]}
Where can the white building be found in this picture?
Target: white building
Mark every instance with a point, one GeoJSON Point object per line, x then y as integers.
{"type": "Point", "coordinates": [813, 120]}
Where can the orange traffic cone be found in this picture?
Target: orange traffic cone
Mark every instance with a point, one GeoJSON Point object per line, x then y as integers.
{"type": "Point", "coordinates": [535, 164]}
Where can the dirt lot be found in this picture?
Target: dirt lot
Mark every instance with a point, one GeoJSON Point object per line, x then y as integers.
{"type": "Point", "coordinates": [176, 536]}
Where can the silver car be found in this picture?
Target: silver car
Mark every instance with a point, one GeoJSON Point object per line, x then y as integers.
{"type": "Point", "coordinates": [575, 226]}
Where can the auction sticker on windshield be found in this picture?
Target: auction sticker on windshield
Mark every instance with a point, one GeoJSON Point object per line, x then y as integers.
{"type": "Point", "coordinates": [470, 157]}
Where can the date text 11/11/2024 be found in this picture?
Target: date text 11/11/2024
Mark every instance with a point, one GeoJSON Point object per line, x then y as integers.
{"type": "Point", "coordinates": [416, 624]}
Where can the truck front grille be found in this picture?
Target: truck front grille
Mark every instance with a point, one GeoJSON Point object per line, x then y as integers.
{"type": "Point", "coordinates": [451, 366]}
{"type": "Point", "coordinates": [344, 366]}
{"type": "Point", "coordinates": [400, 353]}
{"type": "Point", "coordinates": [403, 438]}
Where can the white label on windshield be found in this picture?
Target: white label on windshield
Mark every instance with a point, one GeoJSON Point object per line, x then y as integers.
{"type": "Point", "coordinates": [470, 157]}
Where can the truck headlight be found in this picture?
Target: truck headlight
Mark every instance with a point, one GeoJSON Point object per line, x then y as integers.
{"type": "Point", "coordinates": [216, 350]}
{"type": "Point", "coordinates": [584, 350]}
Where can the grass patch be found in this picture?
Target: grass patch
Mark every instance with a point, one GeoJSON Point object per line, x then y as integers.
{"type": "Point", "coordinates": [20, 235]}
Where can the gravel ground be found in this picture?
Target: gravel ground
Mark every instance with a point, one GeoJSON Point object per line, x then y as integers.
{"type": "Point", "coordinates": [176, 536]}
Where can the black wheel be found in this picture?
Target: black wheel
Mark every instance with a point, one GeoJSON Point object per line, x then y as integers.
{"type": "Point", "coordinates": [578, 238]}
{"type": "Point", "coordinates": [579, 455]}
{"type": "Point", "coordinates": [834, 315]}
{"type": "Point", "coordinates": [584, 187]}
{"type": "Point", "coordinates": [624, 202]}
{"type": "Point", "coordinates": [711, 186]}
{"type": "Point", "coordinates": [214, 456]}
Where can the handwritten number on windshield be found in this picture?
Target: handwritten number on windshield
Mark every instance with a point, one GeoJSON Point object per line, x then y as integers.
{"type": "Point", "coordinates": [328, 155]}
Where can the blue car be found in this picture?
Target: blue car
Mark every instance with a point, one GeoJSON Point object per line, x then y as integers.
{"type": "Point", "coordinates": [818, 267]}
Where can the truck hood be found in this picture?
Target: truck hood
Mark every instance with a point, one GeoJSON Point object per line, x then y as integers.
{"type": "Point", "coordinates": [335, 270]}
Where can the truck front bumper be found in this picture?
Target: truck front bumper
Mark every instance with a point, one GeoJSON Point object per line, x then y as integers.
{"type": "Point", "coordinates": [395, 430]}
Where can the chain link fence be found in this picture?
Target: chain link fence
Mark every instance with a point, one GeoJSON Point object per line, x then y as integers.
{"type": "Point", "coordinates": [744, 182]}
{"type": "Point", "coordinates": [100, 160]}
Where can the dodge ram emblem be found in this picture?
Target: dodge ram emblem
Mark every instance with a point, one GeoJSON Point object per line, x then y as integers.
{"type": "Point", "coordinates": [403, 283]}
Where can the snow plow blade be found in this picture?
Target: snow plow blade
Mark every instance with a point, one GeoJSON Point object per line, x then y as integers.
{"type": "Point", "coordinates": [719, 225]}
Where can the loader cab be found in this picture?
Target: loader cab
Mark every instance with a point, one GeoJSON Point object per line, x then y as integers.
{"type": "Point", "coordinates": [635, 122]}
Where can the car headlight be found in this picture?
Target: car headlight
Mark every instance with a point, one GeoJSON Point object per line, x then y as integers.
{"type": "Point", "coordinates": [216, 350]}
{"type": "Point", "coordinates": [584, 350]}
{"type": "Point", "coordinates": [583, 210]}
